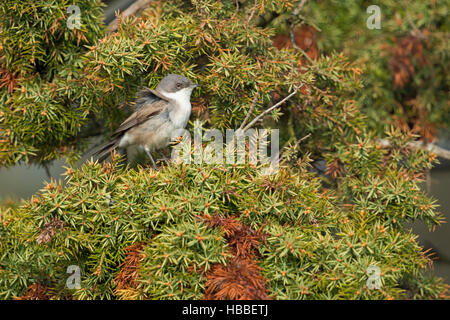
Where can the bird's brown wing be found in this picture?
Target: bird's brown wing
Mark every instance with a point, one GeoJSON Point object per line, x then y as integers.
{"type": "Point", "coordinates": [151, 103]}
{"type": "Point", "coordinates": [147, 111]}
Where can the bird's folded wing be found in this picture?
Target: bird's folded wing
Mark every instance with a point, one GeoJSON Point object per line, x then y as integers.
{"type": "Point", "coordinates": [147, 111]}
{"type": "Point", "coordinates": [146, 95]}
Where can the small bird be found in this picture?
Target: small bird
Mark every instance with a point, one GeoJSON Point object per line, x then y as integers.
{"type": "Point", "coordinates": [160, 117]}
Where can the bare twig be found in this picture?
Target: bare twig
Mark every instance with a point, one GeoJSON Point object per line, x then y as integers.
{"type": "Point", "coordinates": [252, 12]}
{"type": "Point", "coordinates": [313, 63]}
{"type": "Point", "coordinates": [292, 36]}
{"type": "Point", "coordinates": [307, 57]}
{"type": "Point", "coordinates": [250, 111]}
{"type": "Point", "coordinates": [295, 13]}
{"type": "Point", "coordinates": [299, 141]}
{"type": "Point", "coordinates": [299, 8]}
{"type": "Point", "coordinates": [415, 30]}
{"type": "Point", "coordinates": [271, 108]}
{"type": "Point", "coordinates": [419, 145]}
{"type": "Point", "coordinates": [135, 7]}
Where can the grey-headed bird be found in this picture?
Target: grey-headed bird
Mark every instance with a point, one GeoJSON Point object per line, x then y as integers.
{"type": "Point", "coordinates": [160, 117]}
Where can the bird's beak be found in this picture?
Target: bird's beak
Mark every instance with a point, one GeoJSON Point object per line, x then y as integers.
{"type": "Point", "coordinates": [194, 86]}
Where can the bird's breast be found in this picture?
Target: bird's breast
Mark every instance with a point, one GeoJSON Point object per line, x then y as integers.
{"type": "Point", "coordinates": [180, 113]}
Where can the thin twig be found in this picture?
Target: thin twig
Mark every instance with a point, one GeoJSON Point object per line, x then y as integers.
{"type": "Point", "coordinates": [416, 31]}
{"type": "Point", "coordinates": [135, 7]}
{"type": "Point", "coordinates": [250, 111]}
{"type": "Point", "coordinates": [299, 8]}
{"type": "Point", "coordinates": [419, 145]}
{"type": "Point", "coordinates": [295, 13]}
{"type": "Point", "coordinates": [292, 36]}
{"type": "Point", "coordinates": [313, 63]}
{"type": "Point", "coordinates": [307, 57]}
{"type": "Point", "coordinates": [271, 108]}
{"type": "Point", "coordinates": [295, 145]}
{"type": "Point", "coordinates": [252, 12]}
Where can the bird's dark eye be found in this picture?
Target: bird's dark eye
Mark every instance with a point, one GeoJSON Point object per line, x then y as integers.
{"type": "Point", "coordinates": [178, 85]}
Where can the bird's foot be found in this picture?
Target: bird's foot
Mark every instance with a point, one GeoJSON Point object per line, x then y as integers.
{"type": "Point", "coordinates": [152, 168]}
{"type": "Point", "coordinates": [151, 158]}
{"type": "Point", "coordinates": [176, 141]}
{"type": "Point", "coordinates": [163, 158]}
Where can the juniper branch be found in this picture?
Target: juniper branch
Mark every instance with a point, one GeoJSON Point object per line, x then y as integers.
{"type": "Point", "coordinates": [299, 7]}
{"type": "Point", "coordinates": [419, 145]}
{"type": "Point", "coordinates": [131, 10]}
{"type": "Point", "coordinates": [250, 111]}
{"type": "Point", "coordinates": [299, 141]}
{"type": "Point", "coordinates": [271, 108]}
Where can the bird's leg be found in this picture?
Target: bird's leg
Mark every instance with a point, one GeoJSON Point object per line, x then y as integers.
{"type": "Point", "coordinates": [163, 156]}
{"type": "Point", "coordinates": [151, 158]}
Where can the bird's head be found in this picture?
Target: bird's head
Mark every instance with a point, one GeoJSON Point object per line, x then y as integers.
{"type": "Point", "coordinates": [175, 86]}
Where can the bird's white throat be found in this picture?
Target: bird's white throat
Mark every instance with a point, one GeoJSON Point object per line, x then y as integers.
{"type": "Point", "coordinates": [182, 98]}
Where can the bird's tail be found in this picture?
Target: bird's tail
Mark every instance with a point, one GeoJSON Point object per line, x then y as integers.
{"type": "Point", "coordinates": [105, 150]}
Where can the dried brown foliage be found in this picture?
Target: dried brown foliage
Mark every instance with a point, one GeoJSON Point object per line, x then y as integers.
{"type": "Point", "coordinates": [240, 278]}
{"type": "Point", "coordinates": [8, 80]}
{"type": "Point", "coordinates": [414, 118]}
{"type": "Point", "coordinates": [49, 230]}
{"type": "Point", "coordinates": [36, 291]}
{"type": "Point", "coordinates": [334, 169]}
{"type": "Point", "coordinates": [401, 62]}
{"type": "Point", "coordinates": [406, 56]}
{"type": "Point", "coordinates": [421, 124]}
{"type": "Point", "coordinates": [305, 37]}
{"type": "Point", "coordinates": [126, 278]}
